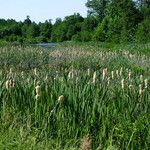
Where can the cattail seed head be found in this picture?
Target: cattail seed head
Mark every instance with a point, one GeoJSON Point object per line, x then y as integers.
{"type": "Point", "coordinates": [13, 82]}
{"type": "Point", "coordinates": [11, 71]}
{"type": "Point", "coordinates": [38, 89]}
{"type": "Point", "coordinates": [140, 89]}
{"type": "Point", "coordinates": [37, 97]}
{"type": "Point", "coordinates": [112, 74]}
{"type": "Point", "coordinates": [104, 73]}
{"type": "Point", "coordinates": [61, 99]}
{"type": "Point", "coordinates": [122, 83]}
{"type": "Point", "coordinates": [94, 77]}
{"type": "Point", "coordinates": [35, 72]}
{"type": "Point", "coordinates": [127, 70]}
{"type": "Point", "coordinates": [121, 70]}
{"type": "Point", "coordinates": [88, 72]}
{"type": "Point", "coordinates": [129, 75]}
{"type": "Point", "coordinates": [22, 74]}
{"type": "Point", "coordinates": [146, 83]}
{"type": "Point", "coordinates": [10, 83]}
{"type": "Point", "coordinates": [7, 84]}
{"type": "Point", "coordinates": [72, 74]}
{"type": "Point", "coordinates": [117, 73]}
{"type": "Point", "coordinates": [141, 78]}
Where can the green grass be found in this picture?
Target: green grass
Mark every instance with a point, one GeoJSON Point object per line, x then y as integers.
{"type": "Point", "coordinates": [113, 117]}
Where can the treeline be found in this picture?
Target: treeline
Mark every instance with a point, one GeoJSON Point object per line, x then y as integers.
{"type": "Point", "coordinates": [107, 21]}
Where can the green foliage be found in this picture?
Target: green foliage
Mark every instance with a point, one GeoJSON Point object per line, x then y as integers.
{"type": "Point", "coordinates": [76, 38]}
{"type": "Point", "coordinates": [97, 7]}
{"type": "Point", "coordinates": [45, 29]}
{"type": "Point", "coordinates": [143, 31]}
{"type": "Point", "coordinates": [112, 21]}
{"type": "Point", "coordinates": [64, 30]}
{"type": "Point", "coordinates": [32, 31]}
{"type": "Point", "coordinates": [101, 32]}
{"type": "Point", "coordinates": [89, 23]}
{"type": "Point", "coordinates": [59, 33]}
{"type": "Point", "coordinates": [83, 36]}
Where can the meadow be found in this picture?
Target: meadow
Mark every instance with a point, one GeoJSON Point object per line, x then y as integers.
{"type": "Point", "coordinates": [75, 96]}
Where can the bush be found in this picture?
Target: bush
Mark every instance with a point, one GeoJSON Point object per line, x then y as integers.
{"type": "Point", "coordinates": [76, 38]}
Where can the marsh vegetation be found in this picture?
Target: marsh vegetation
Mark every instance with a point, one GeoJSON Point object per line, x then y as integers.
{"type": "Point", "coordinates": [75, 97]}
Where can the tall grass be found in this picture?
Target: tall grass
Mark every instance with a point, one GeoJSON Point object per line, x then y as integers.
{"type": "Point", "coordinates": [71, 98]}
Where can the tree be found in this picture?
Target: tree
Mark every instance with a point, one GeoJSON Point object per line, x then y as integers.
{"type": "Point", "coordinates": [143, 31]}
{"type": "Point", "coordinates": [45, 29]}
{"type": "Point", "coordinates": [124, 19]}
{"type": "Point", "coordinates": [64, 30]}
{"type": "Point", "coordinates": [27, 20]}
{"type": "Point", "coordinates": [89, 24]}
{"type": "Point", "coordinates": [144, 7]}
{"type": "Point", "coordinates": [32, 31]}
{"type": "Point", "coordinates": [97, 7]}
{"type": "Point", "coordinates": [59, 33]}
{"type": "Point", "coordinates": [101, 32]}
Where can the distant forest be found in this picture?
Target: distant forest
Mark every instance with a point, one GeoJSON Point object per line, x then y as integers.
{"type": "Point", "coordinates": [114, 21]}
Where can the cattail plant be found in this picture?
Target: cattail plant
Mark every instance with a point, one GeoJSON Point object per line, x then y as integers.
{"type": "Point", "coordinates": [72, 74]}
{"type": "Point", "coordinates": [120, 72]}
{"type": "Point", "coordinates": [104, 73]}
{"type": "Point", "coordinates": [117, 73]}
{"type": "Point", "coordinates": [37, 97]}
{"type": "Point", "coordinates": [13, 82]}
{"type": "Point", "coordinates": [61, 99]}
{"type": "Point", "coordinates": [122, 84]}
{"type": "Point", "coordinates": [28, 80]}
{"type": "Point", "coordinates": [112, 74]}
{"type": "Point", "coordinates": [146, 83]}
{"type": "Point", "coordinates": [35, 72]}
{"type": "Point", "coordinates": [140, 89]}
{"type": "Point", "coordinates": [141, 78]}
{"type": "Point", "coordinates": [88, 72]}
{"type": "Point", "coordinates": [22, 74]}
{"type": "Point", "coordinates": [37, 90]}
{"type": "Point", "coordinates": [129, 75]}
{"type": "Point", "coordinates": [10, 71]}
{"type": "Point", "coordinates": [94, 77]}
{"type": "Point", "coordinates": [10, 83]}
{"type": "Point", "coordinates": [7, 84]}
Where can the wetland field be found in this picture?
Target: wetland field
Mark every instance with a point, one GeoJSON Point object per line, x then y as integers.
{"type": "Point", "coordinates": [75, 96]}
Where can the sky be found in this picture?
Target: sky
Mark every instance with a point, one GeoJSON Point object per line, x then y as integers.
{"type": "Point", "coordinates": [41, 10]}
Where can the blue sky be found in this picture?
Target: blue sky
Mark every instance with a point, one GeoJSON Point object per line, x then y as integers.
{"type": "Point", "coordinates": [41, 10]}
